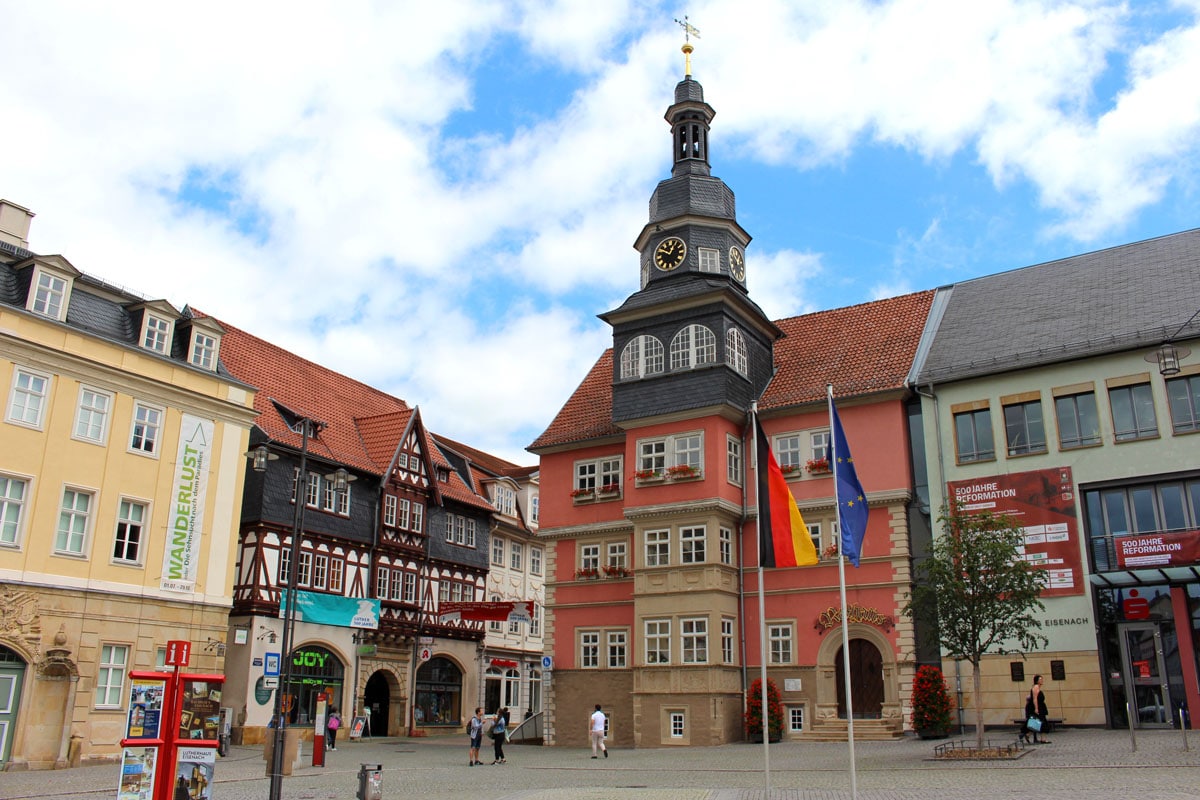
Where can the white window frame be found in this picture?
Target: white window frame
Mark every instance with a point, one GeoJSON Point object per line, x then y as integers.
{"type": "Point", "coordinates": [734, 463]}
{"type": "Point", "coordinates": [403, 513]}
{"type": "Point", "coordinates": [618, 649]}
{"type": "Point", "coordinates": [497, 551]}
{"type": "Point", "coordinates": [692, 544]}
{"type": "Point", "coordinates": [788, 450]}
{"type": "Point", "coordinates": [617, 555]}
{"type": "Point", "coordinates": [396, 590]}
{"type": "Point", "coordinates": [820, 444]}
{"type": "Point", "coordinates": [312, 490]}
{"type": "Point", "coordinates": [795, 717]}
{"type": "Point", "coordinates": [49, 294]}
{"type": "Point", "coordinates": [535, 561]}
{"type": "Point", "coordinates": [74, 525]}
{"type": "Point", "coordinates": [660, 453]}
{"type": "Point", "coordinates": [535, 624]}
{"type": "Point", "coordinates": [131, 526]}
{"type": "Point", "coordinates": [389, 510]}
{"type": "Point", "coordinates": [708, 259]}
{"type": "Point", "coordinates": [693, 346]}
{"type": "Point", "coordinates": [678, 724]}
{"type": "Point", "coordinates": [418, 517]}
{"type": "Point", "coordinates": [589, 556]}
{"type": "Point", "coordinates": [110, 676]}
{"type": "Point", "coordinates": [157, 333]}
{"type": "Point", "coordinates": [781, 638]}
{"type": "Point", "coordinates": [693, 640]}
{"type": "Point", "coordinates": [494, 625]}
{"type": "Point", "coordinates": [12, 509]}
{"type": "Point", "coordinates": [320, 578]}
{"type": "Point", "coordinates": [658, 548]}
{"type": "Point", "coordinates": [304, 573]}
{"type": "Point", "coordinates": [383, 580]}
{"type": "Point", "coordinates": [589, 649]}
{"type": "Point", "coordinates": [727, 640]}
{"type": "Point", "coordinates": [516, 556]}
{"type": "Point", "coordinates": [35, 394]}
{"type": "Point", "coordinates": [596, 473]}
{"type": "Point", "coordinates": [410, 587]}
{"type": "Point", "coordinates": [204, 350]}
{"type": "Point", "coordinates": [146, 429]}
{"type": "Point", "coordinates": [337, 570]}
{"type": "Point", "coordinates": [814, 533]}
{"type": "Point", "coordinates": [641, 357]}
{"type": "Point", "coordinates": [657, 636]}
{"type": "Point", "coordinates": [736, 352]}
{"type": "Point", "coordinates": [92, 414]}
{"type": "Point", "coordinates": [725, 545]}
{"type": "Point", "coordinates": [343, 501]}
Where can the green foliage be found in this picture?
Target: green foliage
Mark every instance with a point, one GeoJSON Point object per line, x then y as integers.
{"type": "Point", "coordinates": [931, 701]}
{"type": "Point", "coordinates": [977, 592]}
{"type": "Point", "coordinates": [754, 718]}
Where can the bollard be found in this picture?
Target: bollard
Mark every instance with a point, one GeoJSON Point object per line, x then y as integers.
{"type": "Point", "coordinates": [370, 782]}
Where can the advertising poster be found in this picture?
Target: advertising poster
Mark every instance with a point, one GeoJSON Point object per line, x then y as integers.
{"type": "Point", "coordinates": [194, 773]}
{"type": "Point", "coordinates": [1042, 502]}
{"type": "Point", "coordinates": [145, 709]}
{"type": "Point", "coordinates": [137, 773]}
{"type": "Point", "coordinates": [201, 715]}
{"type": "Point", "coordinates": [181, 555]}
{"type": "Point", "coordinates": [1158, 550]}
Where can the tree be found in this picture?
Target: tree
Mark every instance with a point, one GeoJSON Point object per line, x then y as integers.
{"type": "Point", "coordinates": [754, 716]}
{"type": "Point", "coordinates": [978, 592]}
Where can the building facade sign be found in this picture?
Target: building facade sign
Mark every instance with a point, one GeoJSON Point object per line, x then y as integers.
{"type": "Point", "coordinates": [186, 521]}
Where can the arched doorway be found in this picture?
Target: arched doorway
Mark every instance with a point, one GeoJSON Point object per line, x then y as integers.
{"type": "Point", "coordinates": [12, 675]}
{"type": "Point", "coordinates": [378, 698]}
{"type": "Point", "coordinates": [866, 680]}
{"type": "Point", "coordinates": [314, 669]}
{"type": "Point", "coordinates": [439, 693]}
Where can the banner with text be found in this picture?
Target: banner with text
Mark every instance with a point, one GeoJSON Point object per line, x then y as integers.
{"type": "Point", "coordinates": [1042, 503]}
{"type": "Point", "coordinates": [330, 609]}
{"type": "Point", "coordinates": [185, 525]}
{"type": "Point", "coordinates": [496, 611]}
{"type": "Point", "coordinates": [1158, 550]}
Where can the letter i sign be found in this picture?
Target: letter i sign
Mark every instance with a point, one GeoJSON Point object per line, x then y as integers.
{"type": "Point", "coordinates": [179, 652]}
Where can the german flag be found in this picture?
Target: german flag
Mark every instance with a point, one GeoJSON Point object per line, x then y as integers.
{"type": "Point", "coordinates": [783, 539]}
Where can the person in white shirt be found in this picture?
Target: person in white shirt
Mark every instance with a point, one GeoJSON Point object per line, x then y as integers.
{"type": "Point", "coordinates": [596, 729]}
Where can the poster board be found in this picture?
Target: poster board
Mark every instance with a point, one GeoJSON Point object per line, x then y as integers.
{"type": "Point", "coordinates": [357, 725]}
{"type": "Point", "coordinates": [200, 718]}
{"type": "Point", "coordinates": [145, 708]}
{"type": "Point", "coordinates": [194, 769]}
{"type": "Point", "coordinates": [137, 773]}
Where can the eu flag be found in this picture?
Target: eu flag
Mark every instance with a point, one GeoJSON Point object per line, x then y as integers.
{"type": "Point", "coordinates": [851, 499]}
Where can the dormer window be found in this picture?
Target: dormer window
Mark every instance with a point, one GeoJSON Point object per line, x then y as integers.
{"type": "Point", "coordinates": [204, 351]}
{"type": "Point", "coordinates": [156, 334]}
{"type": "Point", "coordinates": [50, 286]}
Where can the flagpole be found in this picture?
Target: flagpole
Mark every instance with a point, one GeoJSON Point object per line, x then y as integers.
{"type": "Point", "coordinates": [762, 604]}
{"type": "Point", "coordinates": [845, 623]}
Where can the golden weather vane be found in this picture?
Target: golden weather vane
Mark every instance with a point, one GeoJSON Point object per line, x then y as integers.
{"type": "Point", "coordinates": [689, 31]}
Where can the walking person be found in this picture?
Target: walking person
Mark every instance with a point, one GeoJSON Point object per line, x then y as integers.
{"type": "Point", "coordinates": [331, 725]}
{"type": "Point", "coordinates": [1035, 707]}
{"type": "Point", "coordinates": [499, 733]}
{"type": "Point", "coordinates": [596, 731]}
{"type": "Point", "coordinates": [475, 732]}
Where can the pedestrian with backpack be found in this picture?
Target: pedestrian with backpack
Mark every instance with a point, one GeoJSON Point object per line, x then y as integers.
{"type": "Point", "coordinates": [475, 732]}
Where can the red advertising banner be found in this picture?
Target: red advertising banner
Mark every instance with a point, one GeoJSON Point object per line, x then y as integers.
{"type": "Point", "coordinates": [505, 611]}
{"type": "Point", "coordinates": [1158, 549]}
{"type": "Point", "coordinates": [1042, 502]}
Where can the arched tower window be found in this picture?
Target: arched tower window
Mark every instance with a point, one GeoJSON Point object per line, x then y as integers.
{"type": "Point", "coordinates": [735, 350]}
{"type": "Point", "coordinates": [693, 346]}
{"type": "Point", "coordinates": [642, 356]}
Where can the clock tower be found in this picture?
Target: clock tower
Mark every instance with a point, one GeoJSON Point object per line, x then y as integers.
{"type": "Point", "coordinates": [690, 338]}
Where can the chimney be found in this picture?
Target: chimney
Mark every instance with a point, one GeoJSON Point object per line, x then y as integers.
{"type": "Point", "coordinates": [14, 224]}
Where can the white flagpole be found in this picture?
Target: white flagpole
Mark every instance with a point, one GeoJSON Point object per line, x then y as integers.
{"type": "Point", "coordinates": [762, 614]}
{"type": "Point", "coordinates": [845, 622]}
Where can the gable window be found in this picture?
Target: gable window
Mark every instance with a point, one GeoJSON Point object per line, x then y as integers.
{"type": "Point", "coordinates": [694, 634]}
{"type": "Point", "coordinates": [127, 543]}
{"type": "Point", "coordinates": [110, 676]}
{"type": "Point", "coordinates": [694, 346]}
{"type": "Point", "coordinates": [658, 641]}
{"type": "Point", "coordinates": [973, 434]}
{"type": "Point", "coordinates": [600, 473]}
{"type": "Point", "coordinates": [73, 519]}
{"type": "Point", "coordinates": [658, 548]}
{"type": "Point", "coordinates": [641, 356]}
{"type": "Point", "coordinates": [12, 508]}
{"type": "Point", "coordinates": [156, 334]}
{"type": "Point", "coordinates": [733, 460]}
{"type": "Point", "coordinates": [691, 545]}
{"type": "Point", "coordinates": [506, 500]}
{"type": "Point", "coordinates": [710, 259]}
{"type": "Point", "coordinates": [533, 509]}
{"type": "Point", "coordinates": [204, 351]}
{"type": "Point", "coordinates": [780, 638]}
{"type": "Point", "coordinates": [497, 550]}
{"type": "Point", "coordinates": [1183, 398]}
{"type": "Point", "coordinates": [1078, 419]}
{"type": "Point", "coordinates": [1024, 430]}
{"type": "Point", "coordinates": [1133, 412]}
{"type": "Point", "coordinates": [389, 510]}
{"type": "Point", "coordinates": [147, 423]}
{"type": "Point", "coordinates": [91, 417]}
{"type": "Point", "coordinates": [49, 295]}
{"type": "Point", "coordinates": [735, 351]}
{"type": "Point", "coordinates": [27, 402]}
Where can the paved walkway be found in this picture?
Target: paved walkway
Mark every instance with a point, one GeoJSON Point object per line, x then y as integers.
{"type": "Point", "coordinates": [1091, 764]}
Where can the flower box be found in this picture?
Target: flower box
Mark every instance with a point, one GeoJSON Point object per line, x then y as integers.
{"type": "Point", "coordinates": [609, 488]}
{"type": "Point", "coordinates": [578, 493]}
{"type": "Point", "coordinates": [611, 571]}
{"type": "Point", "coordinates": [587, 574]}
{"type": "Point", "coordinates": [817, 466]}
{"type": "Point", "coordinates": [682, 471]}
{"type": "Point", "coordinates": [647, 474]}
{"type": "Point", "coordinates": [790, 469]}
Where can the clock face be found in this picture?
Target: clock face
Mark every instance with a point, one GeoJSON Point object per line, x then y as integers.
{"type": "Point", "coordinates": [669, 253]}
{"type": "Point", "coordinates": [737, 264]}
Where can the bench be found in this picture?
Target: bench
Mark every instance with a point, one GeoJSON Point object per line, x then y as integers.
{"type": "Point", "coordinates": [1051, 723]}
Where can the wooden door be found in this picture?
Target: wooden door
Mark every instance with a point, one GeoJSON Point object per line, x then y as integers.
{"type": "Point", "coordinates": [866, 680]}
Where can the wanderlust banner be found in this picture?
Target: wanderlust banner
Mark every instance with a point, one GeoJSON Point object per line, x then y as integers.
{"type": "Point", "coordinates": [329, 609]}
{"type": "Point", "coordinates": [185, 525]}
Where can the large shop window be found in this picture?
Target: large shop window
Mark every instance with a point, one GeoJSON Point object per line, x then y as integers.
{"type": "Point", "coordinates": [439, 692]}
{"type": "Point", "coordinates": [1161, 507]}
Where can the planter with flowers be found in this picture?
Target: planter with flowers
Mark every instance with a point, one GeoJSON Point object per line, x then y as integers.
{"type": "Point", "coordinates": [817, 466]}
{"type": "Point", "coordinates": [608, 489]}
{"type": "Point", "coordinates": [931, 704]}
{"type": "Point", "coordinates": [648, 476]}
{"type": "Point", "coordinates": [682, 472]}
{"type": "Point", "coordinates": [754, 712]}
{"type": "Point", "coordinates": [830, 552]}
{"type": "Point", "coordinates": [613, 571]}
{"type": "Point", "coordinates": [587, 574]}
{"type": "Point", "coordinates": [582, 495]}
{"type": "Point", "coordinates": [790, 469]}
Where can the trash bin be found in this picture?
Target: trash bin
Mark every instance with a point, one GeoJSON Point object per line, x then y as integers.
{"type": "Point", "coordinates": [370, 782]}
{"type": "Point", "coordinates": [291, 750]}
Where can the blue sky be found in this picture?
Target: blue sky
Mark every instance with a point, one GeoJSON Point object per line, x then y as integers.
{"type": "Point", "coordinates": [438, 199]}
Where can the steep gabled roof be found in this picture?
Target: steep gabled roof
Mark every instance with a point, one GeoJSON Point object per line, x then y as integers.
{"type": "Point", "coordinates": [381, 435]}
{"type": "Point", "coordinates": [314, 391]}
{"type": "Point", "coordinates": [587, 414]}
{"type": "Point", "coordinates": [462, 485]}
{"type": "Point", "coordinates": [486, 461]}
{"type": "Point", "coordinates": [862, 349]}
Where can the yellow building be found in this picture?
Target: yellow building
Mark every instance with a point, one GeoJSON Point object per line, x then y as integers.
{"type": "Point", "coordinates": [121, 474]}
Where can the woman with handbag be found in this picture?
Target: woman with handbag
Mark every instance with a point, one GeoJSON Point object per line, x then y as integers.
{"type": "Point", "coordinates": [1036, 713]}
{"type": "Point", "coordinates": [499, 731]}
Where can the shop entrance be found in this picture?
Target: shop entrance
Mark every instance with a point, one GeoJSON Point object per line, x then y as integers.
{"type": "Point", "coordinates": [866, 680]}
{"type": "Point", "coordinates": [12, 675]}
{"type": "Point", "coordinates": [1145, 674]}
